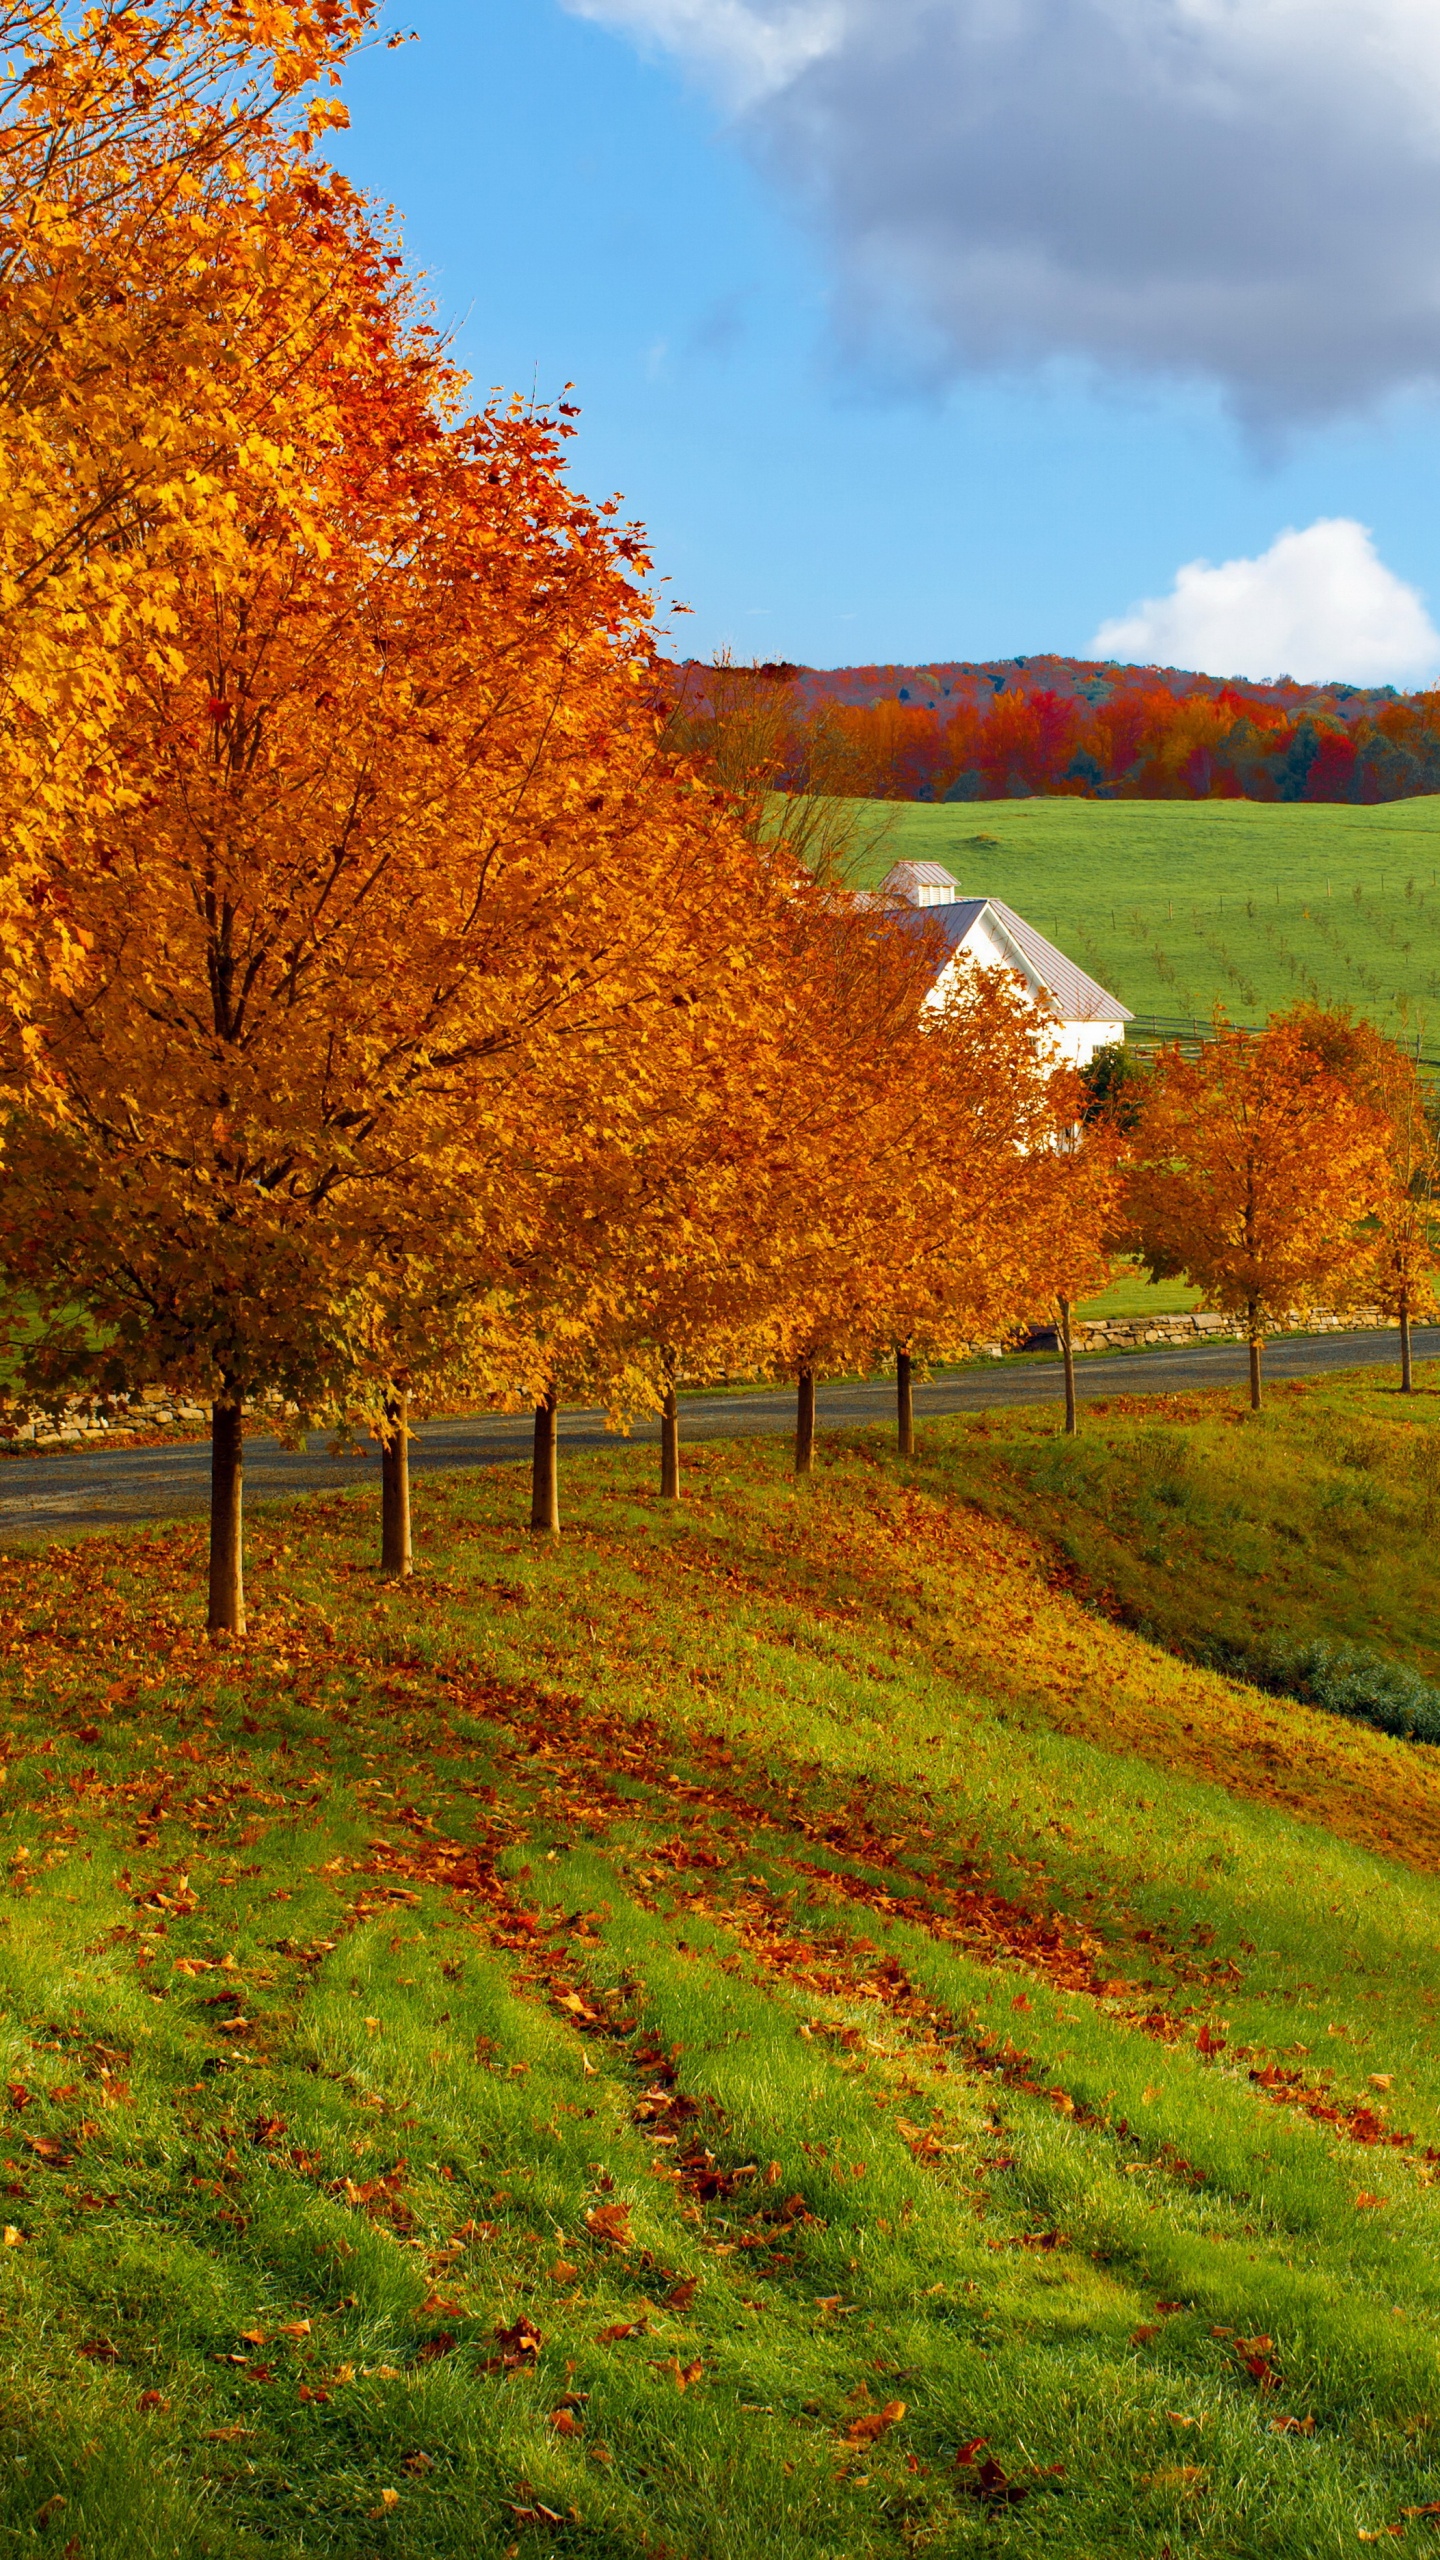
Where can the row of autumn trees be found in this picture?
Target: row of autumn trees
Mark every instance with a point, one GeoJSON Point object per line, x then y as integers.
{"type": "Point", "coordinates": [394, 1009]}
{"type": "Point", "coordinates": [1139, 739]}
{"type": "Point", "coordinates": [388, 1009]}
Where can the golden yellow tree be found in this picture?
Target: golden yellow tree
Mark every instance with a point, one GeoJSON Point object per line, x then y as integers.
{"type": "Point", "coordinates": [1255, 1167]}
{"type": "Point", "coordinates": [638, 1267]}
{"type": "Point", "coordinates": [1407, 1214]}
{"type": "Point", "coordinates": [1002, 1214]}
{"type": "Point", "coordinates": [1405, 1222]}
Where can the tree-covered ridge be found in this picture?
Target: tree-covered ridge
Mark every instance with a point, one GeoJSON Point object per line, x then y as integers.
{"type": "Point", "coordinates": [1014, 726]}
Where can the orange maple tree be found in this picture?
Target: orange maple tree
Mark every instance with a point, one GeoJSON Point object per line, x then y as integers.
{"type": "Point", "coordinates": [642, 1266]}
{"type": "Point", "coordinates": [910, 1205]}
{"type": "Point", "coordinates": [1009, 1201]}
{"type": "Point", "coordinates": [1404, 1224]}
{"type": "Point", "coordinates": [1254, 1169]}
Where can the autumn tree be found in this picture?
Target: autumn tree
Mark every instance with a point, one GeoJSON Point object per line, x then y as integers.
{"type": "Point", "coordinates": [642, 1267]}
{"type": "Point", "coordinates": [851, 1094]}
{"type": "Point", "coordinates": [1405, 1220]}
{"type": "Point", "coordinates": [1255, 1167]}
{"type": "Point", "coordinates": [1407, 1212]}
{"type": "Point", "coordinates": [1009, 1197]}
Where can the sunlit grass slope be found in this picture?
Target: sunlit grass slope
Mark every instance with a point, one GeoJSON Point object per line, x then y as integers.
{"type": "Point", "coordinates": [1176, 905]}
{"type": "Point", "coordinates": [770, 2029]}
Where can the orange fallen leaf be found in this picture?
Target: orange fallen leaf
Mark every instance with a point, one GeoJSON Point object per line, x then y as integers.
{"type": "Point", "coordinates": [610, 2222]}
{"type": "Point", "coordinates": [865, 2430]}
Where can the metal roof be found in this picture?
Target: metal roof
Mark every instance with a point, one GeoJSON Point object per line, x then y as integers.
{"type": "Point", "coordinates": [1076, 996]}
{"type": "Point", "coordinates": [925, 875]}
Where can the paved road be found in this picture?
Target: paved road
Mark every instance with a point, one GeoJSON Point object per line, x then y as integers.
{"type": "Point", "coordinates": [62, 1490]}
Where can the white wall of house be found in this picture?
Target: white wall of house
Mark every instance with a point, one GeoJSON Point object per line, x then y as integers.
{"type": "Point", "coordinates": [1071, 1043]}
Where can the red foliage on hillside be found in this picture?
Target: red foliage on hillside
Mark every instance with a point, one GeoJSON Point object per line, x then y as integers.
{"type": "Point", "coordinates": [1020, 726]}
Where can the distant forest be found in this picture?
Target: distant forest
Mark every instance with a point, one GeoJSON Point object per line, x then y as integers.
{"type": "Point", "coordinates": [1015, 727]}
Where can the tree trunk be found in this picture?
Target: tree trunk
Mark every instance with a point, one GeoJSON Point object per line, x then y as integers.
{"type": "Point", "coordinates": [1256, 1346]}
{"type": "Point", "coordinates": [905, 1403]}
{"type": "Point", "coordinates": [670, 1445]}
{"type": "Point", "coordinates": [544, 1476]}
{"type": "Point", "coordinates": [1407, 1377]}
{"type": "Point", "coordinates": [227, 1549]}
{"type": "Point", "coordinates": [395, 1556]}
{"type": "Point", "coordinates": [805, 1422]}
{"type": "Point", "coordinates": [1067, 1354]}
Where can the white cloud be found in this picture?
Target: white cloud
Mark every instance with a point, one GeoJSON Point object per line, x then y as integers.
{"type": "Point", "coordinates": [1319, 605]}
{"type": "Point", "coordinates": [748, 51]}
{"type": "Point", "coordinates": [1245, 191]}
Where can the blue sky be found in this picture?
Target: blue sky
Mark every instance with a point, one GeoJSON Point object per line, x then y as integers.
{"type": "Point", "coordinates": [824, 475]}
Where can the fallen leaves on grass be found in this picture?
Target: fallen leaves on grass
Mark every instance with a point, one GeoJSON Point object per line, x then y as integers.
{"type": "Point", "coordinates": [611, 2222]}
{"type": "Point", "coordinates": [682, 2375]}
{"type": "Point", "coordinates": [877, 2422]}
{"type": "Point", "coordinates": [990, 2482]}
{"type": "Point", "coordinates": [520, 2344]}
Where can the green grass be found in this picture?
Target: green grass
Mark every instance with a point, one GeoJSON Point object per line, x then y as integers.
{"type": "Point", "coordinates": [1131, 1293]}
{"type": "Point", "coordinates": [548, 2059]}
{"type": "Point", "coordinates": [1179, 905]}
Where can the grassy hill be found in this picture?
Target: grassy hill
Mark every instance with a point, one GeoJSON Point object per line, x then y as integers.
{"type": "Point", "coordinates": [771, 2028]}
{"type": "Point", "coordinates": [1177, 905]}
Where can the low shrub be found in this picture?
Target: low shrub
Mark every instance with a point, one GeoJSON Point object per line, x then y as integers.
{"type": "Point", "coordinates": [1347, 1679]}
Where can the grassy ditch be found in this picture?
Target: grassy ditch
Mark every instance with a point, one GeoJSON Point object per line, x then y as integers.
{"type": "Point", "coordinates": [770, 2027]}
{"type": "Point", "coordinates": [1232, 1534]}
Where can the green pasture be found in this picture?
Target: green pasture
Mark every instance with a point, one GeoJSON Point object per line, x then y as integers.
{"type": "Point", "coordinates": [1132, 1293]}
{"type": "Point", "coordinates": [1178, 906]}
{"type": "Point", "coordinates": [772, 2027]}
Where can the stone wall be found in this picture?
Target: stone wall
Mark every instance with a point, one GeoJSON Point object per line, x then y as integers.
{"type": "Point", "coordinates": [1127, 1333]}
{"type": "Point", "coordinates": [98, 1418]}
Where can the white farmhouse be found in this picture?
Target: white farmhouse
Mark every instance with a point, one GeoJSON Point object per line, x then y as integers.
{"type": "Point", "coordinates": [1082, 1016]}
